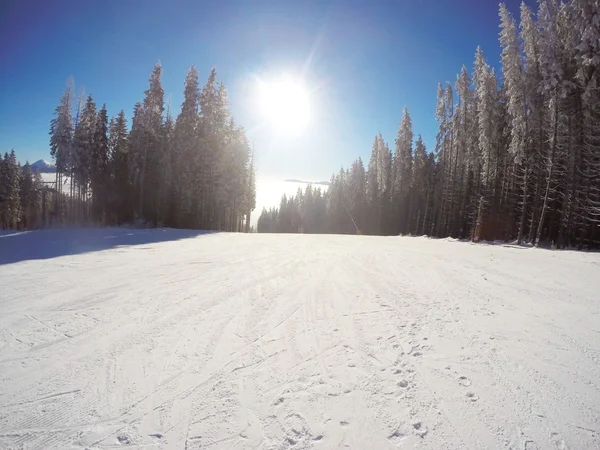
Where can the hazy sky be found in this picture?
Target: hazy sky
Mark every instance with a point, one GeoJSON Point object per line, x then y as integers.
{"type": "Point", "coordinates": [363, 60]}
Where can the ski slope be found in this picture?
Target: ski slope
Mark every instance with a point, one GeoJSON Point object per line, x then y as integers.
{"type": "Point", "coordinates": [116, 338]}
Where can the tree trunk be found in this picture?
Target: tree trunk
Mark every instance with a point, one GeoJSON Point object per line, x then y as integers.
{"type": "Point", "coordinates": [524, 206]}
{"type": "Point", "coordinates": [550, 174]}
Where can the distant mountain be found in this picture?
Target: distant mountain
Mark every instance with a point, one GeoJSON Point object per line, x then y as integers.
{"type": "Point", "coordinates": [323, 183]}
{"type": "Point", "coordinates": [43, 166]}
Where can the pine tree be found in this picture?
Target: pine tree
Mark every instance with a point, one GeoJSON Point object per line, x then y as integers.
{"type": "Point", "coordinates": [30, 197]}
{"type": "Point", "coordinates": [214, 117]}
{"type": "Point", "coordinates": [419, 185]}
{"type": "Point", "coordinates": [373, 225]}
{"type": "Point", "coordinates": [83, 148]}
{"type": "Point", "coordinates": [515, 92]}
{"type": "Point", "coordinates": [188, 157]}
{"type": "Point", "coordinates": [587, 24]}
{"type": "Point", "coordinates": [551, 73]}
{"type": "Point", "coordinates": [151, 183]}
{"type": "Point", "coordinates": [61, 136]}
{"type": "Point", "coordinates": [10, 213]}
{"type": "Point", "coordinates": [121, 197]}
{"type": "Point", "coordinates": [99, 169]}
{"type": "Point", "coordinates": [168, 173]}
{"type": "Point", "coordinates": [250, 192]}
{"type": "Point", "coordinates": [535, 110]}
{"type": "Point", "coordinates": [403, 174]}
{"type": "Point", "coordinates": [357, 188]}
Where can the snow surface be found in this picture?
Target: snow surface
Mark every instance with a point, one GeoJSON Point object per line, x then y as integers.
{"type": "Point", "coordinates": [115, 338]}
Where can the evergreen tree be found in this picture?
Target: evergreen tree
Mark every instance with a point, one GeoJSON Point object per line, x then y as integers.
{"type": "Point", "coordinates": [30, 197]}
{"type": "Point", "coordinates": [151, 181]}
{"type": "Point", "coordinates": [188, 158]}
{"type": "Point", "coordinates": [99, 169]}
{"type": "Point", "coordinates": [83, 149]}
{"type": "Point", "coordinates": [61, 137]}
{"type": "Point", "coordinates": [121, 197]}
{"type": "Point", "coordinates": [419, 186]}
{"type": "Point", "coordinates": [10, 212]}
{"type": "Point", "coordinates": [403, 174]}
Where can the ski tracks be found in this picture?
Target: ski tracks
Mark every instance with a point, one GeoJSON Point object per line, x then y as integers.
{"type": "Point", "coordinates": [301, 342]}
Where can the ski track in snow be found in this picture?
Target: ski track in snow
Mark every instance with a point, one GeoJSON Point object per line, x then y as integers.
{"type": "Point", "coordinates": [299, 342]}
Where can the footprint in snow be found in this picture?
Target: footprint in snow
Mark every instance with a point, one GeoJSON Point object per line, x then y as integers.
{"type": "Point", "coordinates": [403, 383]}
{"type": "Point", "coordinates": [464, 381]}
{"type": "Point", "coordinates": [397, 436]}
{"type": "Point", "coordinates": [472, 396]}
{"type": "Point", "coordinates": [123, 439]}
{"type": "Point", "coordinates": [558, 442]}
{"type": "Point", "coordinates": [420, 429]}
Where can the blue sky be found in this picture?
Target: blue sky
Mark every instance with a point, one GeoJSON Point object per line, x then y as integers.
{"type": "Point", "coordinates": [365, 60]}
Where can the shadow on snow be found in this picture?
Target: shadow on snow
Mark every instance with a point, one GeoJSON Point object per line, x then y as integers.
{"type": "Point", "coordinates": [46, 244]}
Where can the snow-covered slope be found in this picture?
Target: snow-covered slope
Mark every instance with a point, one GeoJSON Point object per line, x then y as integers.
{"type": "Point", "coordinates": [43, 166]}
{"type": "Point", "coordinates": [175, 339]}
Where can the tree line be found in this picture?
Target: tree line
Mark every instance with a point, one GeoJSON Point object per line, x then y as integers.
{"type": "Point", "coordinates": [517, 157]}
{"type": "Point", "coordinates": [20, 194]}
{"type": "Point", "coordinates": [192, 171]}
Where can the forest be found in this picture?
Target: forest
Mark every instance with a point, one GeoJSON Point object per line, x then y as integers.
{"type": "Point", "coordinates": [193, 171]}
{"type": "Point", "coordinates": [517, 154]}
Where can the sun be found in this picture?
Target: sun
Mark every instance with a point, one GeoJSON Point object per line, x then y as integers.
{"type": "Point", "coordinates": [284, 104]}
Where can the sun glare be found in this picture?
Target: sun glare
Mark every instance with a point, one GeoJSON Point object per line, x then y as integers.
{"type": "Point", "coordinates": [284, 103]}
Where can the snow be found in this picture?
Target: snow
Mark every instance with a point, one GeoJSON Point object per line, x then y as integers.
{"type": "Point", "coordinates": [181, 339]}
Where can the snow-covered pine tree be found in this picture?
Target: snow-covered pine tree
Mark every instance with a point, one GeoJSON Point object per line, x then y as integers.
{"type": "Point", "coordinates": [135, 160]}
{"type": "Point", "coordinates": [357, 187]}
{"type": "Point", "coordinates": [188, 158]}
{"type": "Point", "coordinates": [61, 137]}
{"type": "Point", "coordinates": [373, 206]}
{"type": "Point", "coordinates": [3, 191]}
{"type": "Point", "coordinates": [534, 104]}
{"type": "Point", "coordinates": [487, 103]}
{"type": "Point", "coordinates": [121, 196]}
{"type": "Point", "coordinates": [30, 197]}
{"type": "Point", "coordinates": [11, 203]}
{"type": "Point", "coordinates": [250, 191]}
{"type": "Point", "coordinates": [587, 56]}
{"type": "Point", "coordinates": [214, 117]}
{"type": "Point", "coordinates": [151, 124]}
{"type": "Point", "coordinates": [442, 149]}
{"type": "Point", "coordinates": [551, 79]}
{"type": "Point", "coordinates": [83, 148]}
{"type": "Point", "coordinates": [515, 93]}
{"type": "Point", "coordinates": [402, 174]}
{"type": "Point", "coordinates": [419, 186]}
{"type": "Point", "coordinates": [384, 172]}
{"type": "Point", "coordinates": [99, 180]}
{"type": "Point", "coordinates": [463, 121]}
{"type": "Point", "coordinates": [168, 173]}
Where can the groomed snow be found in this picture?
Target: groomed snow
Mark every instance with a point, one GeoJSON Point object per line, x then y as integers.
{"type": "Point", "coordinates": [115, 338]}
